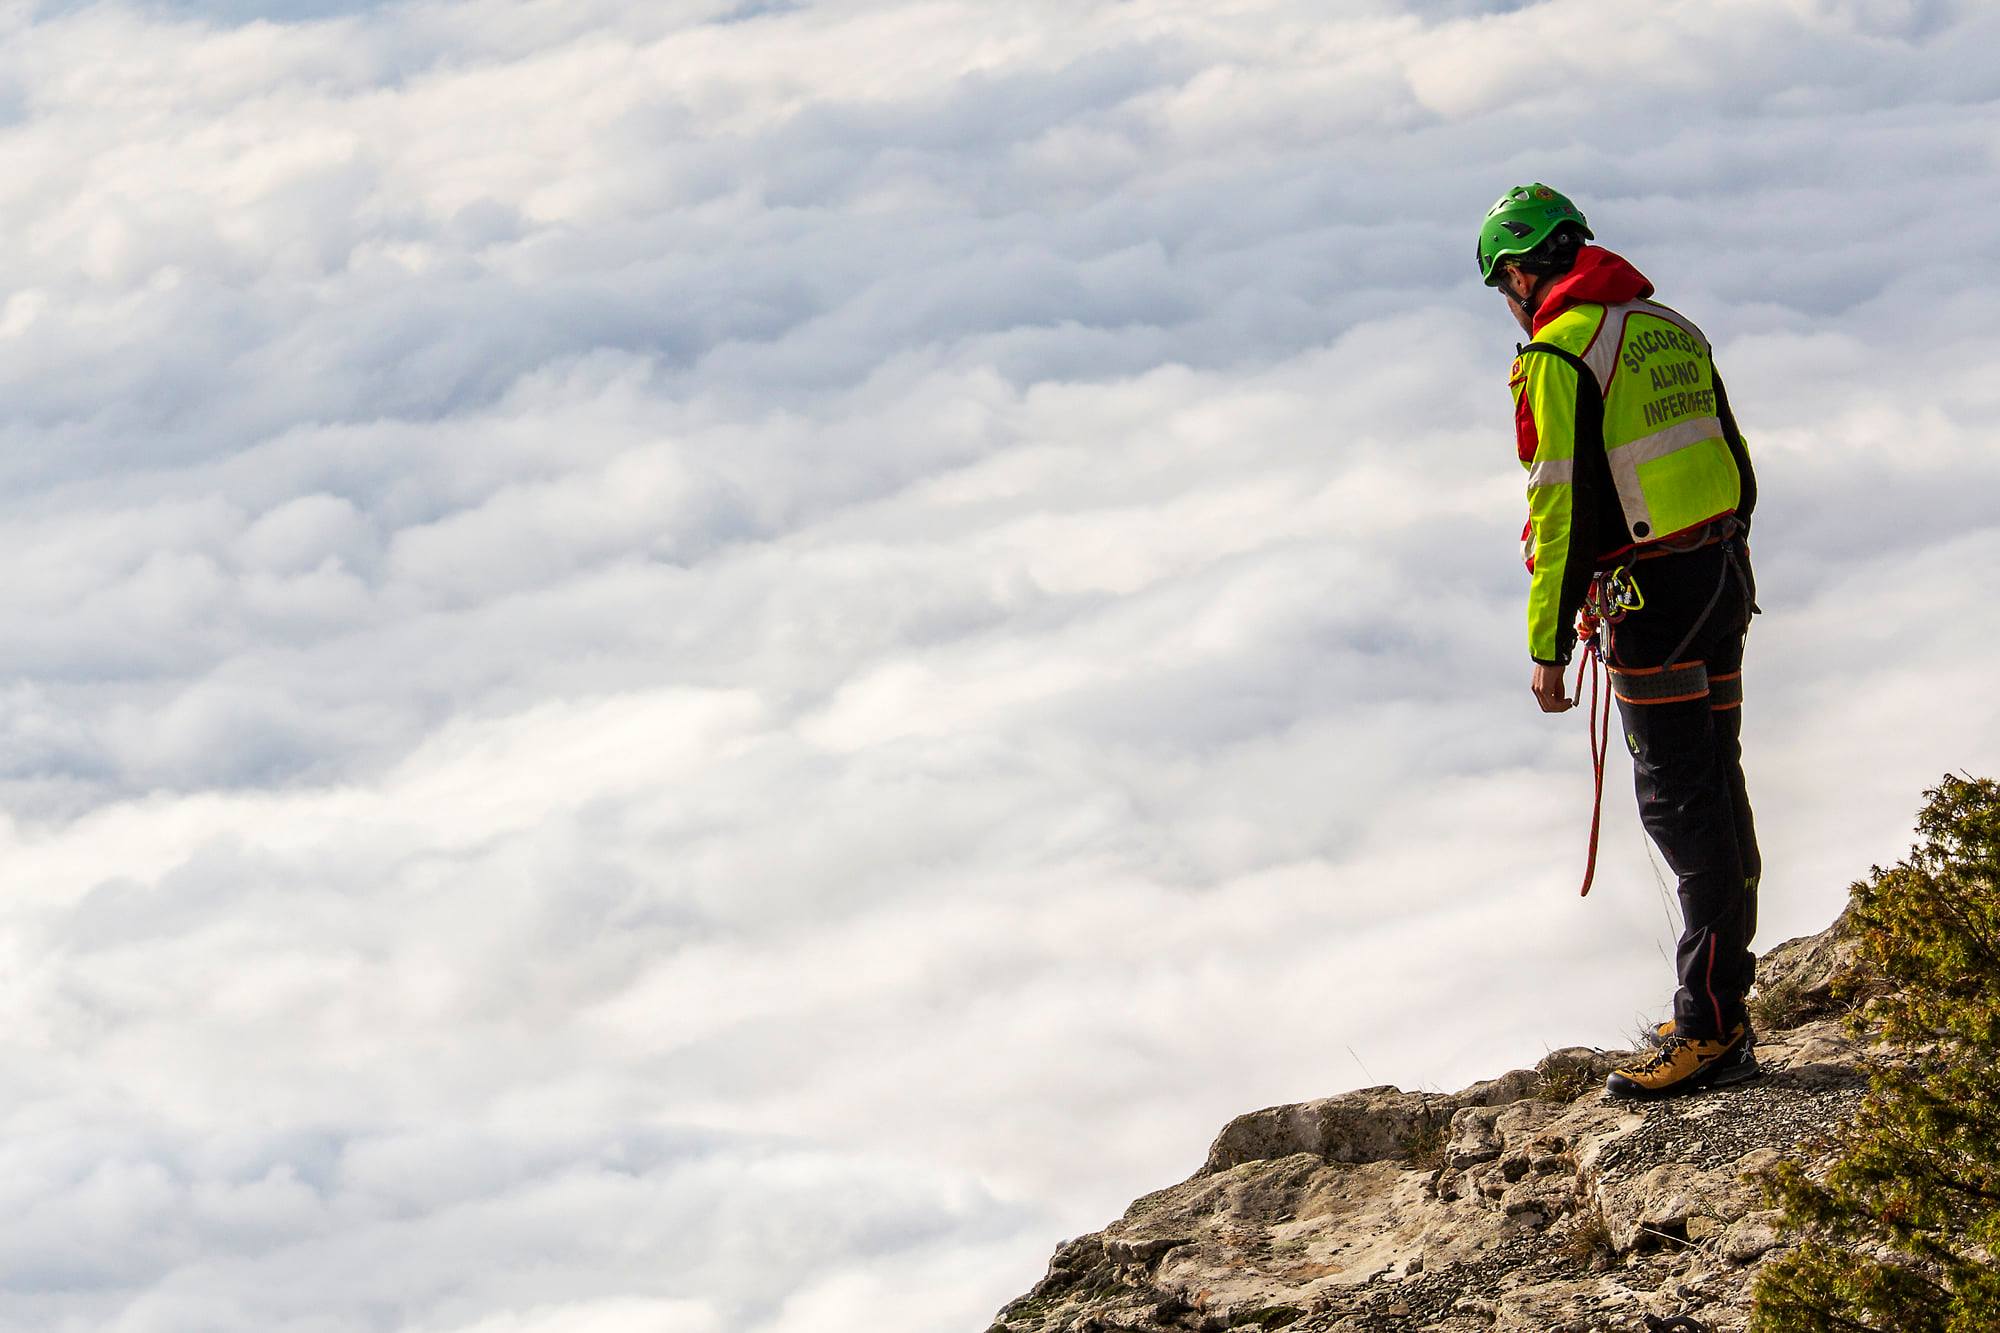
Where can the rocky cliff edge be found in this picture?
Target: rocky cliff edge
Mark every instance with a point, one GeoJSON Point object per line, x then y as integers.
{"type": "Point", "coordinates": [1525, 1204]}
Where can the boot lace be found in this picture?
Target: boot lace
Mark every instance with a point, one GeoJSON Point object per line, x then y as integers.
{"type": "Point", "coordinates": [1662, 1056]}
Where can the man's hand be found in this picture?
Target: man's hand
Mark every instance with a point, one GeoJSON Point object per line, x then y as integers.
{"type": "Point", "coordinates": [1548, 688]}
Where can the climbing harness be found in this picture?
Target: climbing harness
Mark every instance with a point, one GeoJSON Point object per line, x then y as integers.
{"type": "Point", "coordinates": [1613, 595]}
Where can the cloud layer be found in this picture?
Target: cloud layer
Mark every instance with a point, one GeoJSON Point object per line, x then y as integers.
{"type": "Point", "coordinates": [720, 667]}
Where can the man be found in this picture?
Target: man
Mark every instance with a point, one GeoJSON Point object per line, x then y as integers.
{"type": "Point", "coordinates": [1639, 499]}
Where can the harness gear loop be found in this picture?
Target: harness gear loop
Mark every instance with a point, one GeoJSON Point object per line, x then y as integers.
{"type": "Point", "coordinates": [1613, 594]}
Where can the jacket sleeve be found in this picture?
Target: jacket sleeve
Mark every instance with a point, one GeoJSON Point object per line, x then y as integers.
{"type": "Point", "coordinates": [1562, 511]}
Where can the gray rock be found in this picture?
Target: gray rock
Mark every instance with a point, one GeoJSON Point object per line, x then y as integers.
{"type": "Point", "coordinates": [1371, 1125]}
{"type": "Point", "coordinates": [1652, 1208]}
{"type": "Point", "coordinates": [1804, 977]}
{"type": "Point", "coordinates": [1750, 1237]}
{"type": "Point", "coordinates": [1474, 1138]}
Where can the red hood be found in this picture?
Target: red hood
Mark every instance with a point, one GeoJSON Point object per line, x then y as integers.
{"type": "Point", "coordinates": [1599, 278]}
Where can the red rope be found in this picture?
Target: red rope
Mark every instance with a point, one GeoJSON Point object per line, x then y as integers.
{"type": "Point", "coordinates": [1600, 746]}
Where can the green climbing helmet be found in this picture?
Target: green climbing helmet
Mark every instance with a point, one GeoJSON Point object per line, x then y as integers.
{"type": "Point", "coordinates": [1523, 218]}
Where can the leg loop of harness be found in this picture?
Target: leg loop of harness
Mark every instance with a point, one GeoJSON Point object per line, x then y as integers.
{"type": "Point", "coordinates": [1660, 685]}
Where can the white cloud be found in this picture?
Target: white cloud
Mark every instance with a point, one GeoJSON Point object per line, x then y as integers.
{"type": "Point", "coordinates": [722, 667]}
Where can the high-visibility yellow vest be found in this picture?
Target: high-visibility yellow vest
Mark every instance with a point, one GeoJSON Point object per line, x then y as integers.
{"type": "Point", "coordinates": [1633, 445]}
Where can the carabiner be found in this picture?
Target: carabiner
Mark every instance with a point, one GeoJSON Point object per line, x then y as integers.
{"type": "Point", "coordinates": [1621, 592]}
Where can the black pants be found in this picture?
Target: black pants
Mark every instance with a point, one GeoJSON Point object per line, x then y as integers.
{"type": "Point", "coordinates": [1684, 725]}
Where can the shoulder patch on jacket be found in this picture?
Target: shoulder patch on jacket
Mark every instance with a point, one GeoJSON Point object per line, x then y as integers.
{"type": "Point", "coordinates": [1526, 438]}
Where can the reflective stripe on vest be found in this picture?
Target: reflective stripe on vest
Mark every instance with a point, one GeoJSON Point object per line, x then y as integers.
{"type": "Point", "coordinates": [1626, 458]}
{"type": "Point", "coordinates": [1552, 472]}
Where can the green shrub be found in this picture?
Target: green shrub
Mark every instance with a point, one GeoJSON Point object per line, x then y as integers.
{"type": "Point", "coordinates": [1902, 1234]}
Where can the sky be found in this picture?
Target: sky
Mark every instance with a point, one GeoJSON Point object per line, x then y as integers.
{"type": "Point", "coordinates": [721, 667]}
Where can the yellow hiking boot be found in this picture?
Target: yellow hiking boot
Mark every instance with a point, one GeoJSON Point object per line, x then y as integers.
{"type": "Point", "coordinates": [1683, 1064]}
